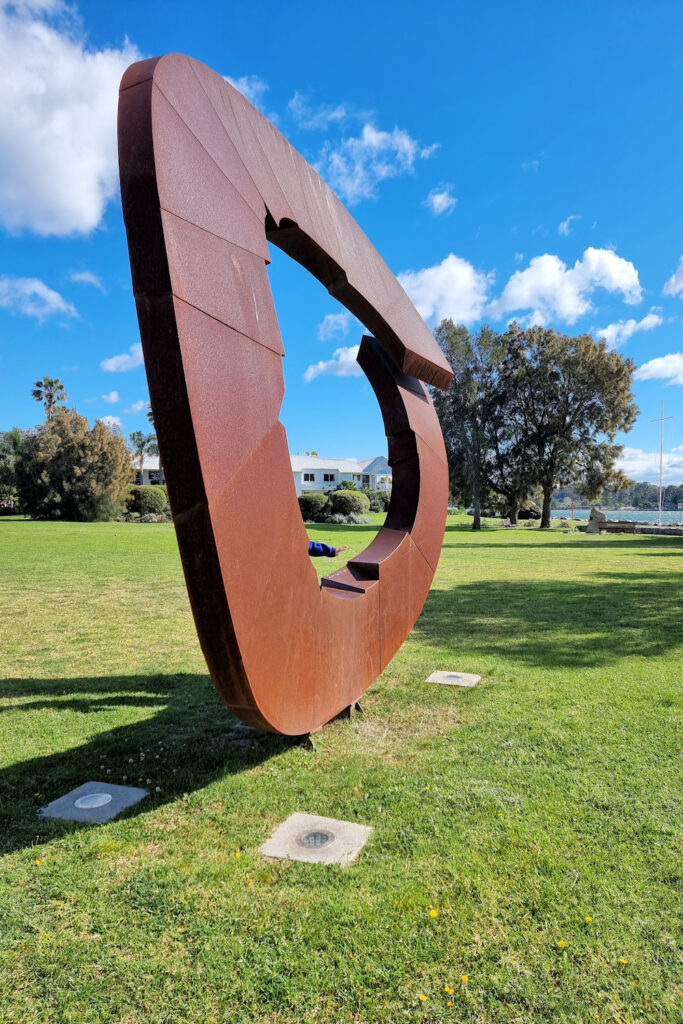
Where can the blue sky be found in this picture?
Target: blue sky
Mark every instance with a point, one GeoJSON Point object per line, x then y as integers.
{"type": "Point", "coordinates": [506, 159]}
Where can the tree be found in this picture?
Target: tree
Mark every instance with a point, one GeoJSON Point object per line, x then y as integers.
{"type": "Point", "coordinates": [66, 470]}
{"type": "Point", "coordinates": [10, 446]}
{"type": "Point", "coordinates": [571, 396]}
{"type": "Point", "coordinates": [485, 447]}
{"type": "Point", "coordinates": [50, 391]}
{"type": "Point", "coordinates": [143, 444]}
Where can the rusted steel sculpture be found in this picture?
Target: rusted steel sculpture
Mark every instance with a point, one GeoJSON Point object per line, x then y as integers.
{"type": "Point", "coordinates": [206, 181]}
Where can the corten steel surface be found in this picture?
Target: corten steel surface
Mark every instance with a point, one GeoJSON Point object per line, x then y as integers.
{"type": "Point", "coordinates": [206, 181]}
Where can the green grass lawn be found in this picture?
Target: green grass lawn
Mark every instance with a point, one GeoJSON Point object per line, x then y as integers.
{"type": "Point", "coordinates": [537, 815]}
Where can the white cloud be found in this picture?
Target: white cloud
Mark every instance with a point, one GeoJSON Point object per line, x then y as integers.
{"type": "Point", "coordinates": [334, 325]}
{"type": "Point", "coordinates": [674, 286]}
{"type": "Point", "coordinates": [315, 118]}
{"type": "Point", "coordinates": [638, 464]}
{"type": "Point", "coordinates": [355, 166]}
{"type": "Point", "coordinates": [619, 333]}
{"type": "Point", "coordinates": [551, 290]}
{"type": "Point", "coordinates": [86, 277]}
{"type": "Point", "coordinates": [58, 158]}
{"type": "Point", "coordinates": [112, 423]}
{"type": "Point", "coordinates": [128, 361]}
{"type": "Point", "coordinates": [111, 397]}
{"type": "Point", "coordinates": [136, 407]}
{"type": "Point", "coordinates": [530, 165]}
{"type": "Point", "coordinates": [251, 86]}
{"type": "Point", "coordinates": [668, 368]}
{"type": "Point", "coordinates": [452, 288]}
{"type": "Point", "coordinates": [342, 364]}
{"type": "Point", "coordinates": [565, 228]}
{"type": "Point", "coordinates": [519, 256]}
{"type": "Point", "coordinates": [441, 201]}
{"type": "Point", "coordinates": [31, 297]}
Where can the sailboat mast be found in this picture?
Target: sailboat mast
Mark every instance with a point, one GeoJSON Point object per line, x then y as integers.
{"type": "Point", "coordinates": [661, 455]}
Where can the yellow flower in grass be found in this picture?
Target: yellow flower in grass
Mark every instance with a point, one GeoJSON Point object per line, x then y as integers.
{"type": "Point", "coordinates": [423, 999]}
{"type": "Point", "coordinates": [238, 854]}
{"type": "Point", "coordinates": [37, 861]}
{"type": "Point", "coordinates": [449, 1003]}
{"type": "Point", "coordinates": [562, 943]}
{"type": "Point", "coordinates": [464, 978]}
{"type": "Point", "coordinates": [448, 991]}
{"type": "Point", "coordinates": [623, 960]}
{"type": "Point", "coordinates": [433, 913]}
{"type": "Point", "coordinates": [588, 919]}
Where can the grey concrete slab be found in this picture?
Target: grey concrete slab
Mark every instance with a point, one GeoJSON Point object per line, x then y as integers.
{"type": "Point", "coordinates": [94, 801]}
{"type": "Point", "coordinates": [454, 678]}
{"type": "Point", "coordinates": [316, 840]}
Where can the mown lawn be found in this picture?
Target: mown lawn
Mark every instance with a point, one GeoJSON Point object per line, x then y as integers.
{"type": "Point", "coordinates": [538, 815]}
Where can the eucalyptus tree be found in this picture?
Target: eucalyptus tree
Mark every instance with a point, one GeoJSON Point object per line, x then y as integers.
{"type": "Point", "coordinates": [486, 449]}
{"type": "Point", "coordinates": [570, 396]}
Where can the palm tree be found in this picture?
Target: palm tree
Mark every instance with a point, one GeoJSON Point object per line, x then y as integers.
{"type": "Point", "coordinates": [143, 444]}
{"type": "Point", "coordinates": [49, 390]}
{"type": "Point", "coordinates": [155, 451]}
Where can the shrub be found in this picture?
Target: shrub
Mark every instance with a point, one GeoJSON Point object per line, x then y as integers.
{"type": "Point", "coordinates": [347, 485]}
{"type": "Point", "coordinates": [347, 502]}
{"type": "Point", "coordinates": [312, 505]}
{"type": "Point", "coordinates": [529, 510]}
{"type": "Point", "coordinates": [381, 498]}
{"type": "Point", "coordinates": [352, 519]}
{"type": "Point", "coordinates": [376, 507]}
{"type": "Point", "coordinates": [147, 499]}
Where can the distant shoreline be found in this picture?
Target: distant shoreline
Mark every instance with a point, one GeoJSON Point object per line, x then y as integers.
{"type": "Point", "coordinates": [670, 517]}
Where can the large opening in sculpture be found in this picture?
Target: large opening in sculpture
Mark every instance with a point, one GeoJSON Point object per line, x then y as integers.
{"type": "Point", "coordinates": [329, 407]}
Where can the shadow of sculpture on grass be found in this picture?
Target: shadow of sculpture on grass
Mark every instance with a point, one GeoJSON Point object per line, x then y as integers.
{"type": "Point", "coordinates": [197, 739]}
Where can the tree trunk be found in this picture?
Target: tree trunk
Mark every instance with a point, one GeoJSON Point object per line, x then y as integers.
{"type": "Point", "coordinates": [547, 498]}
{"type": "Point", "coordinates": [476, 520]}
{"type": "Point", "coordinates": [513, 512]}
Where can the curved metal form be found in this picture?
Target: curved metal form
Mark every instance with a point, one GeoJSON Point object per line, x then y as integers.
{"type": "Point", "coordinates": [206, 181]}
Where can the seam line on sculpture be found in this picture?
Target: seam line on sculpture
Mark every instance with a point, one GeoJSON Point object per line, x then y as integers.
{"type": "Point", "coordinates": [412, 430]}
{"type": "Point", "coordinates": [246, 169]}
{"type": "Point", "coordinates": [213, 234]}
{"type": "Point", "coordinates": [246, 337]}
{"type": "Point", "coordinates": [133, 84]}
{"type": "Point", "coordinates": [432, 568]}
{"type": "Point", "coordinates": [212, 158]}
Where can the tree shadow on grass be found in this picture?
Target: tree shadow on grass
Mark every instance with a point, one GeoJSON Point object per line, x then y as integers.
{"type": "Point", "coordinates": [196, 739]}
{"type": "Point", "coordinates": [559, 623]}
{"type": "Point", "coordinates": [674, 544]}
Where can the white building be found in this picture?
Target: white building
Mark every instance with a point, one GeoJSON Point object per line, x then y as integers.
{"type": "Point", "coordinates": [313, 473]}
{"type": "Point", "coordinates": [152, 473]}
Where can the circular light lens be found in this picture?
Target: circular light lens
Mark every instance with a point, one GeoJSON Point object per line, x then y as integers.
{"type": "Point", "coordinates": [91, 800]}
{"type": "Point", "coordinates": [316, 839]}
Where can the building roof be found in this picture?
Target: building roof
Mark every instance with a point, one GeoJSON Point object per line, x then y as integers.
{"type": "Point", "coordinates": [308, 462]}
{"type": "Point", "coordinates": [149, 462]}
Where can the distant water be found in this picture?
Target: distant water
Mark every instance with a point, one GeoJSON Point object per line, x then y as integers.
{"type": "Point", "coordinates": [635, 516]}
